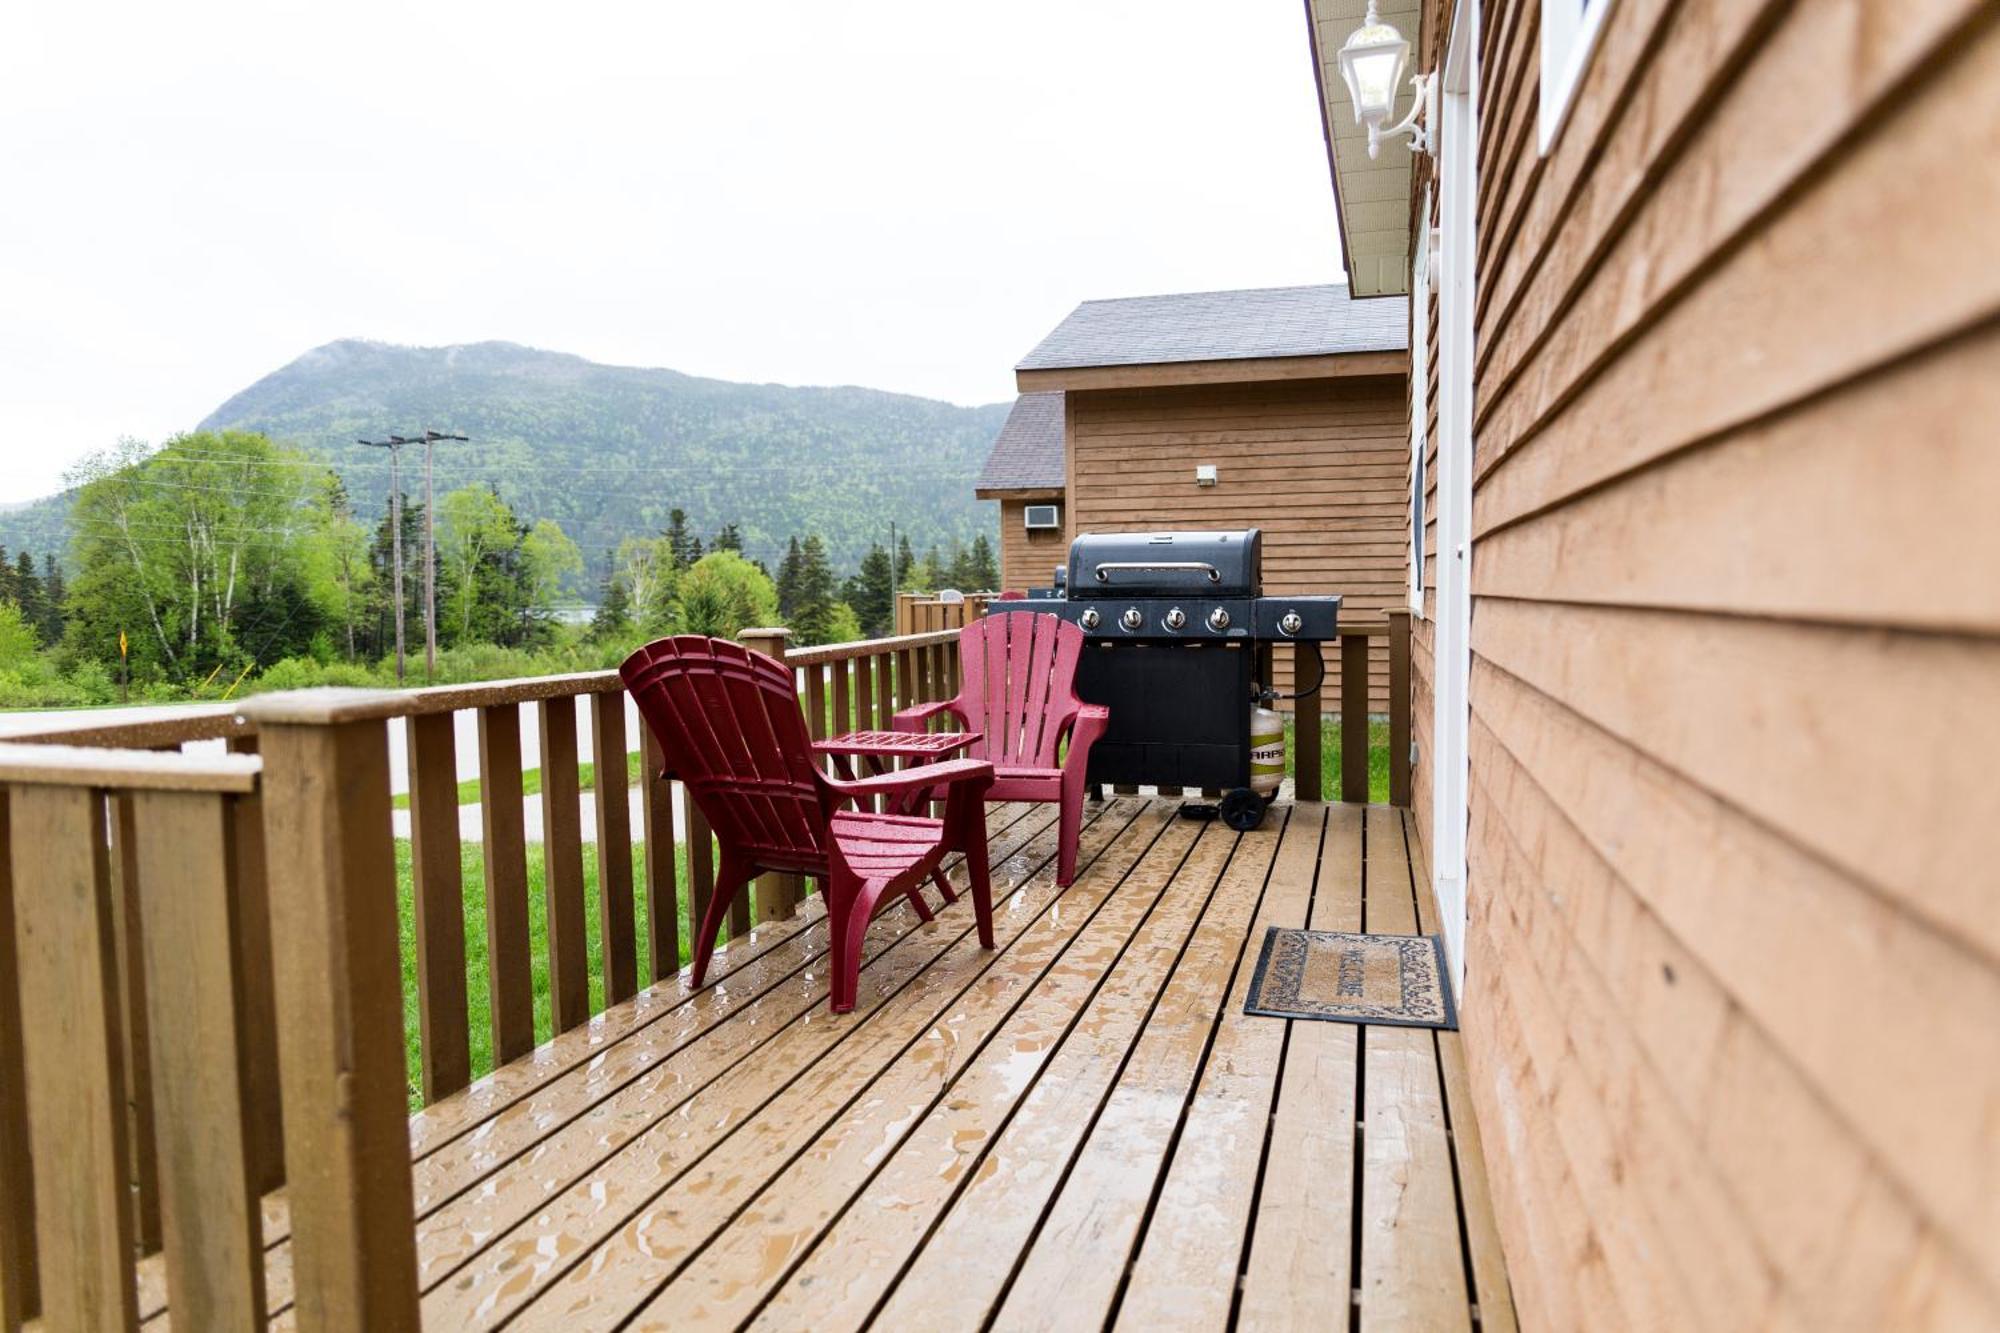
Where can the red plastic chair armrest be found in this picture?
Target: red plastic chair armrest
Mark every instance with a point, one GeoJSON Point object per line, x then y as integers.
{"type": "Point", "coordinates": [912, 779]}
{"type": "Point", "coordinates": [913, 719]}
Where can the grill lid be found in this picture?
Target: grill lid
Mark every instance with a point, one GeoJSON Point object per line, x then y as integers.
{"type": "Point", "coordinates": [1152, 564]}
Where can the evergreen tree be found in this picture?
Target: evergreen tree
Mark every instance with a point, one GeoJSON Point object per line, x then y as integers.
{"type": "Point", "coordinates": [812, 620]}
{"type": "Point", "coordinates": [788, 582]}
{"type": "Point", "coordinates": [681, 541]}
{"type": "Point", "coordinates": [56, 616]}
{"type": "Point", "coordinates": [27, 590]}
{"type": "Point", "coordinates": [8, 593]}
{"type": "Point", "coordinates": [928, 576]}
{"type": "Point", "coordinates": [614, 610]}
{"type": "Point", "coordinates": [728, 538]}
{"type": "Point", "coordinates": [906, 561]}
{"type": "Point", "coordinates": [871, 595]}
{"type": "Point", "coordinates": [982, 572]}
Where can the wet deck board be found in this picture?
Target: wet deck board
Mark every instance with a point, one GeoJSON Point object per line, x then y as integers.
{"type": "Point", "coordinates": [1080, 1129]}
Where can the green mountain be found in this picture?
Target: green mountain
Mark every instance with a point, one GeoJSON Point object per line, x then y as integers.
{"type": "Point", "coordinates": [607, 451]}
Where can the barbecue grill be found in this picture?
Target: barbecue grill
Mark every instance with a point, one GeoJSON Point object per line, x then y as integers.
{"type": "Point", "coordinates": [1178, 648]}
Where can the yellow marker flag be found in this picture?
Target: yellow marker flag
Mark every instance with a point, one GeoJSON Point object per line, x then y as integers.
{"type": "Point", "coordinates": [121, 643]}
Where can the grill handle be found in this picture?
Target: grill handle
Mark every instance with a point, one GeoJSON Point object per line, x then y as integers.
{"type": "Point", "coordinates": [1153, 566]}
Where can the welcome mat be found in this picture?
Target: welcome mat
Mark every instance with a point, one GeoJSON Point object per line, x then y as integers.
{"type": "Point", "coordinates": [1343, 978]}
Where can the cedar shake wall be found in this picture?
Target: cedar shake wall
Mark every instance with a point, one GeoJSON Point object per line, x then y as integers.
{"type": "Point", "coordinates": [1733, 947]}
{"type": "Point", "coordinates": [1029, 559]}
{"type": "Point", "coordinates": [1319, 465]}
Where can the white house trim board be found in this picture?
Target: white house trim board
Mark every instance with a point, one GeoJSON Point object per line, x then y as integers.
{"type": "Point", "coordinates": [1458, 138]}
{"type": "Point", "coordinates": [1569, 36]}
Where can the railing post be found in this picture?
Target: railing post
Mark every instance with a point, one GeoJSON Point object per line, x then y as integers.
{"type": "Point", "coordinates": [1354, 717]}
{"type": "Point", "coordinates": [332, 878]}
{"type": "Point", "coordinates": [73, 1056]}
{"type": "Point", "coordinates": [778, 895]}
{"type": "Point", "coordinates": [19, 1301]}
{"type": "Point", "coordinates": [1399, 705]}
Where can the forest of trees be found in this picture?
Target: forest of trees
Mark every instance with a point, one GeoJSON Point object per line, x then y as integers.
{"type": "Point", "coordinates": [224, 562]}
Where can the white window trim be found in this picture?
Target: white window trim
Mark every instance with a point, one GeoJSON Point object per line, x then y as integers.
{"type": "Point", "coordinates": [1458, 201]}
{"type": "Point", "coordinates": [1420, 379]}
{"type": "Point", "coordinates": [1569, 36]}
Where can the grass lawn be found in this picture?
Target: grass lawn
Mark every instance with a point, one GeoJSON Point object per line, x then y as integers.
{"type": "Point", "coordinates": [473, 862]}
{"type": "Point", "coordinates": [1329, 765]}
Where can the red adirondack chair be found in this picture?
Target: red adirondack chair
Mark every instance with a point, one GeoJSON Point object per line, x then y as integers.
{"type": "Point", "coordinates": [729, 725]}
{"type": "Point", "coordinates": [1017, 675]}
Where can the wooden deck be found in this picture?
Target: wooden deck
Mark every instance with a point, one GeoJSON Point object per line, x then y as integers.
{"type": "Point", "coordinates": [1081, 1129]}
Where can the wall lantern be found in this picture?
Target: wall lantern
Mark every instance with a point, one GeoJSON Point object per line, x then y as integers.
{"type": "Point", "coordinates": [1371, 64]}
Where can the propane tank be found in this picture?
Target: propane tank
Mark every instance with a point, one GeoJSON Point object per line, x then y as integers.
{"type": "Point", "coordinates": [1267, 750]}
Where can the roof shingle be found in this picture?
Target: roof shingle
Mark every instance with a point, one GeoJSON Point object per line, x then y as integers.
{"type": "Point", "coordinates": [1028, 451]}
{"type": "Point", "coordinates": [1223, 326]}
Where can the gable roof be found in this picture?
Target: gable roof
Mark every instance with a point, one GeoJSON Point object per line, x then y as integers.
{"type": "Point", "coordinates": [1028, 451]}
{"type": "Point", "coordinates": [1259, 323]}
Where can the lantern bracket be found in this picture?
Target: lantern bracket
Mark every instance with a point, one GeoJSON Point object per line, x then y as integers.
{"type": "Point", "coordinates": [1416, 125]}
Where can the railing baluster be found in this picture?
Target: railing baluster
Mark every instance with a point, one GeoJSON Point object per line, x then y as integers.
{"type": "Point", "coordinates": [1308, 723]}
{"type": "Point", "coordinates": [1353, 717]}
{"type": "Point", "coordinates": [19, 1299]}
{"type": "Point", "coordinates": [616, 929]}
{"type": "Point", "coordinates": [340, 1010]}
{"type": "Point", "coordinates": [843, 715]}
{"type": "Point", "coordinates": [778, 893]}
{"type": "Point", "coordinates": [1399, 706]}
{"type": "Point", "coordinates": [128, 932]}
{"type": "Point", "coordinates": [73, 1058]}
{"type": "Point", "coordinates": [257, 1019]}
{"type": "Point", "coordinates": [864, 694]}
{"type": "Point", "coordinates": [444, 1044]}
{"type": "Point", "coordinates": [510, 977]}
{"type": "Point", "coordinates": [562, 866]}
{"type": "Point", "coordinates": [907, 692]}
{"type": "Point", "coordinates": [885, 690]}
{"type": "Point", "coordinates": [209, 1199]}
{"type": "Point", "coordinates": [663, 912]}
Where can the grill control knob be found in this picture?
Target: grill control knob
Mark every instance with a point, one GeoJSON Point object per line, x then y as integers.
{"type": "Point", "coordinates": [1132, 619]}
{"type": "Point", "coordinates": [1089, 618]}
{"type": "Point", "coordinates": [1218, 619]}
{"type": "Point", "coordinates": [1175, 618]}
{"type": "Point", "coordinates": [1290, 624]}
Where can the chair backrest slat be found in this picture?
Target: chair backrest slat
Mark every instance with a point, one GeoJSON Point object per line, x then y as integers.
{"type": "Point", "coordinates": [729, 727]}
{"type": "Point", "coordinates": [1018, 684]}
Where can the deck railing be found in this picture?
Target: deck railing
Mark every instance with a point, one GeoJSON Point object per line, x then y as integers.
{"type": "Point", "coordinates": [187, 909]}
{"type": "Point", "coordinates": [210, 997]}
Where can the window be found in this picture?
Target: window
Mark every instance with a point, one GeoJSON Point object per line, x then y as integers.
{"type": "Point", "coordinates": [1569, 35]}
{"type": "Point", "coordinates": [1420, 392]}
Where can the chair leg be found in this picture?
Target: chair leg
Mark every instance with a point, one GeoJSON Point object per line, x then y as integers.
{"type": "Point", "coordinates": [978, 865]}
{"type": "Point", "coordinates": [849, 907]}
{"type": "Point", "coordinates": [1069, 822]}
{"type": "Point", "coordinates": [944, 885]}
{"type": "Point", "coordinates": [731, 877]}
{"type": "Point", "coordinates": [915, 893]}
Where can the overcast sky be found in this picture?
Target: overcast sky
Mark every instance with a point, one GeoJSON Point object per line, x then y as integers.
{"type": "Point", "coordinates": [904, 194]}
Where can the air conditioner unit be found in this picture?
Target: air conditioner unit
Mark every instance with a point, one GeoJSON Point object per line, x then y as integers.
{"type": "Point", "coordinates": [1042, 518]}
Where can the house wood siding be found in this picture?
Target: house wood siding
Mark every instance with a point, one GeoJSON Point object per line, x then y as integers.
{"type": "Point", "coordinates": [1319, 465]}
{"type": "Point", "coordinates": [1733, 952]}
{"type": "Point", "coordinates": [1028, 559]}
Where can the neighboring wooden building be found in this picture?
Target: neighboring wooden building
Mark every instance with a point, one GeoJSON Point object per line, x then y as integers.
{"type": "Point", "coordinates": [1026, 469]}
{"type": "Point", "coordinates": [1294, 396]}
{"type": "Point", "coordinates": [1707, 709]}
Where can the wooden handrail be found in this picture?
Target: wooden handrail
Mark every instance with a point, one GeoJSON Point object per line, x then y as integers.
{"type": "Point", "coordinates": [150, 770]}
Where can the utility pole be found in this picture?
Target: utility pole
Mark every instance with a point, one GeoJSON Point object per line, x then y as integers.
{"type": "Point", "coordinates": [431, 437]}
{"type": "Point", "coordinates": [394, 445]}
